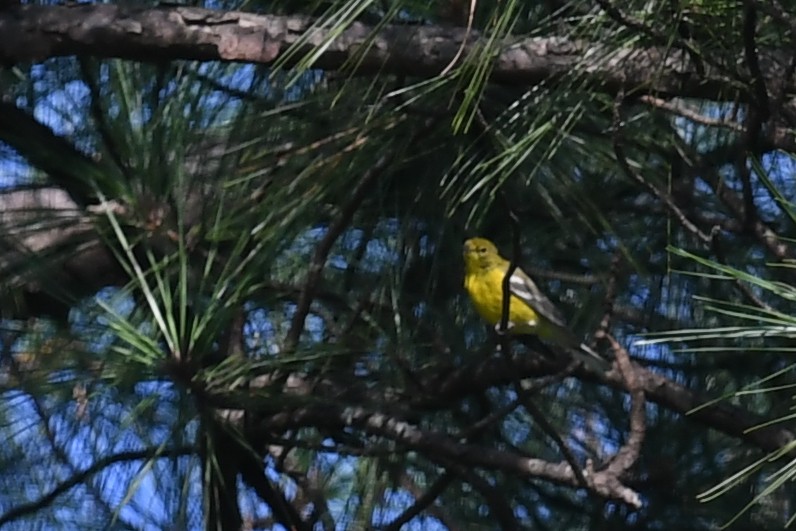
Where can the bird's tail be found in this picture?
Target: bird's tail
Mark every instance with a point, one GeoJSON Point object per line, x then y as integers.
{"type": "Point", "coordinates": [579, 351]}
{"type": "Point", "coordinates": [590, 357]}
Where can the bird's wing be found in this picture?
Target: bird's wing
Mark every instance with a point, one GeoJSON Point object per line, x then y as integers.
{"type": "Point", "coordinates": [525, 289]}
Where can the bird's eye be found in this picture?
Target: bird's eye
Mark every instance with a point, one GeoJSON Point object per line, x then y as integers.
{"type": "Point", "coordinates": [482, 250]}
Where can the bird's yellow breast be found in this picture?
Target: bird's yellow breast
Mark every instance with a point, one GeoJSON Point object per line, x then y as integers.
{"type": "Point", "coordinates": [485, 288]}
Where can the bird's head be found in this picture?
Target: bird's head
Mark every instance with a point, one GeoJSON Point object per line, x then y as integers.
{"type": "Point", "coordinates": [480, 253]}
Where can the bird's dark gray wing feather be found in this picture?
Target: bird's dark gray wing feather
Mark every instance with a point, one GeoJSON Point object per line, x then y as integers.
{"type": "Point", "coordinates": [525, 289]}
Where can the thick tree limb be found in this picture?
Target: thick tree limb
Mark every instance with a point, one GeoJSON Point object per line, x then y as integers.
{"type": "Point", "coordinates": [51, 251]}
{"type": "Point", "coordinates": [443, 449]}
{"type": "Point", "coordinates": [731, 420]}
{"type": "Point", "coordinates": [451, 386]}
{"type": "Point", "coordinates": [35, 33]}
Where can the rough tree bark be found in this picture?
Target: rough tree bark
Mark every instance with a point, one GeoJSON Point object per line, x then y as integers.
{"type": "Point", "coordinates": [34, 33]}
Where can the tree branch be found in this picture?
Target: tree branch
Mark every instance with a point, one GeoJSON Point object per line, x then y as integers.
{"type": "Point", "coordinates": [35, 33]}
{"type": "Point", "coordinates": [333, 232]}
{"type": "Point", "coordinates": [444, 449]}
{"type": "Point", "coordinates": [78, 478]}
{"type": "Point", "coordinates": [663, 197]}
{"type": "Point", "coordinates": [422, 502]}
{"type": "Point", "coordinates": [733, 421]}
{"type": "Point", "coordinates": [629, 453]}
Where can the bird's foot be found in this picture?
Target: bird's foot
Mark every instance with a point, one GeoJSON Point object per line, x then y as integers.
{"type": "Point", "coordinates": [503, 331]}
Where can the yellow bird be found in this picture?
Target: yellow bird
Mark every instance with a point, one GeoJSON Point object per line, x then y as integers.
{"type": "Point", "coordinates": [530, 311]}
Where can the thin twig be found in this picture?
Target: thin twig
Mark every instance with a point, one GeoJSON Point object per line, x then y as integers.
{"type": "Point", "coordinates": [101, 117]}
{"type": "Point", "coordinates": [549, 429]}
{"type": "Point", "coordinates": [324, 247]}
{"type": "Point", "coordinates": [333, 232]}
{"type": "Point", "coordinates": [756, 114]}
{"type": "Point", "coordinates": [80, 477]}
{"type": "Point", "coordinates": [665, 198]}
{"type": "Point", "coordinates": [314, 493]}
{"type": "Point", "coordinates": [513, 264]}
{"type": "Point", "coordinates": [761, 231]}
{"type": "Point", "coordinates": [481, 425]}
{"type": "Point", "coordinates": [742, 286]}
{"type": "Point", "coordinates": [753, 64]}
{"type": "Point", "coordinates": [689, 113]}
{"type": "Point", "coordinates": [663, 38]}
{"type": "Point", "coordinates": [421, 503]}
{"type": "Point", "coordinates": [610, 294]}
{"type": "Point", "coordinates": [488, 421]}
{"type": "Point", "coordinates": [253, 474]}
